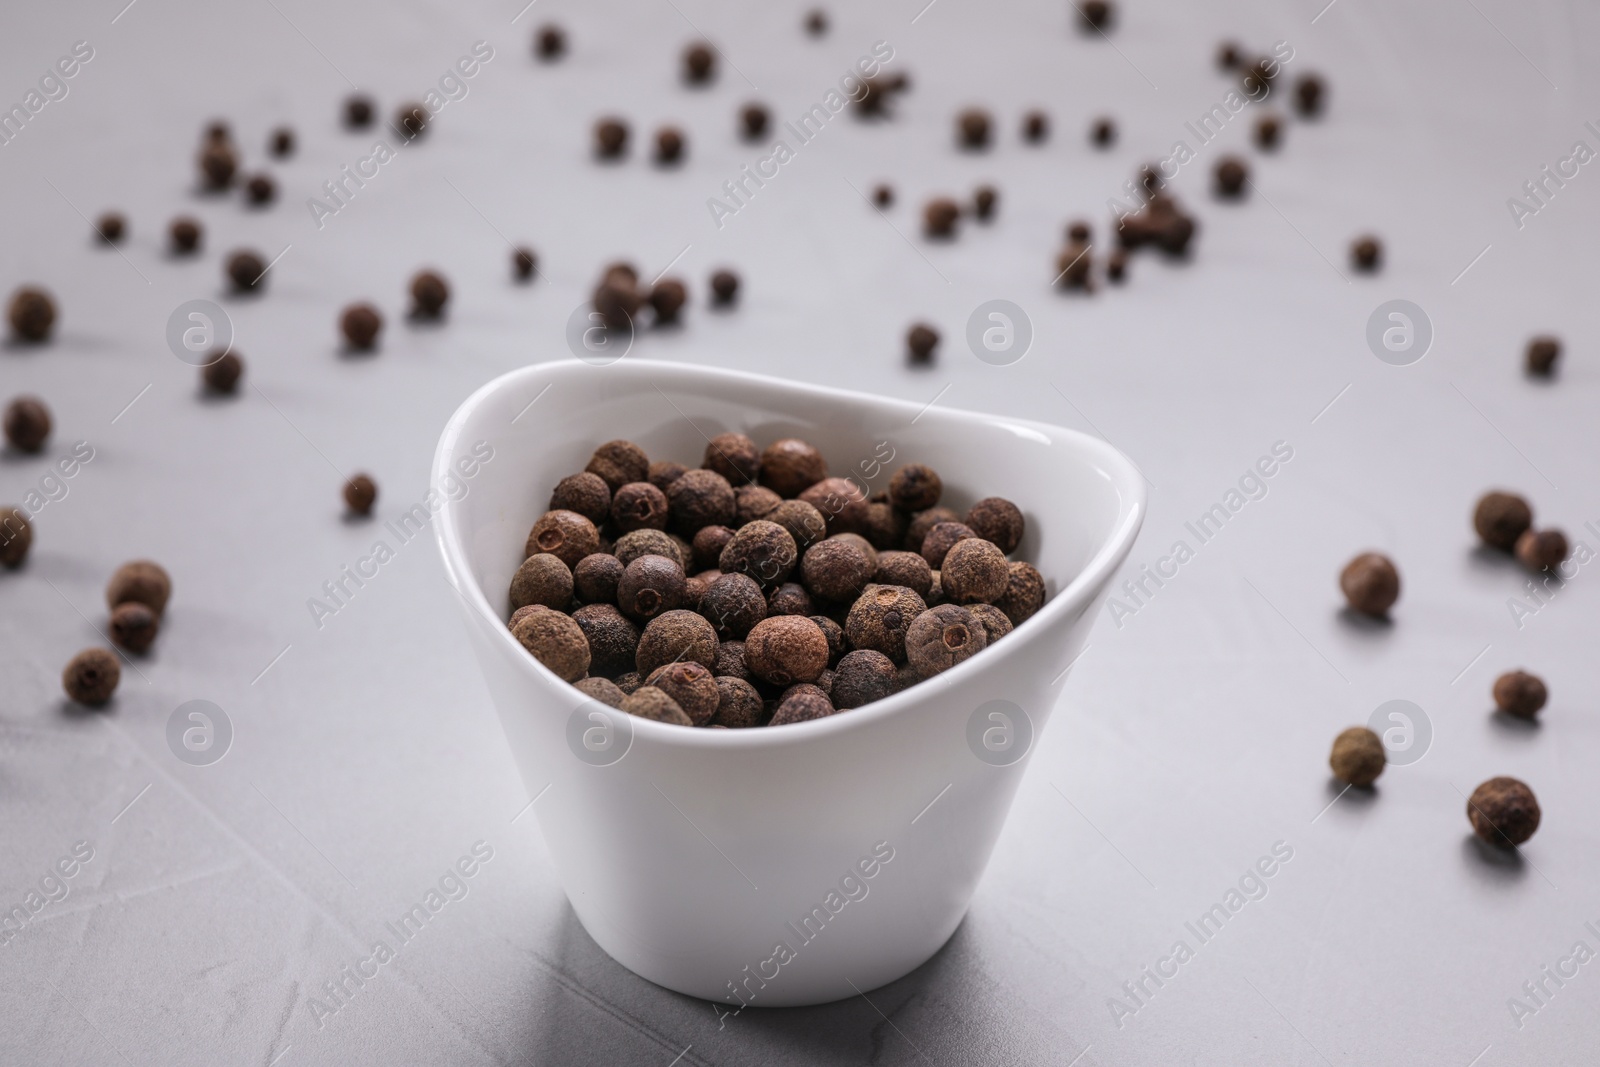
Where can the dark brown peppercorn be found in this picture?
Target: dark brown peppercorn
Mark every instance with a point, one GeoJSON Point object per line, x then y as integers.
{"type": "Point", "coordinates": [1308, 96]}
{"type": "Point", "coordinates": [586, 493]}
{"type": "Point", "coordinates": [790, 598]}
{"type": "Point", "coordinates": [923, 521]}
{"type": "Point", "coordinates": [281, 143]}
{"type": "Point", "coordinates": [734, 603]}
{"type": "Point", "coordinates": [217, 163]}
{"type": "Point", "coordinates": [647, 542]}
{"type": "Point", "coordinates": [699, 64]}
{"type": "Point", "coordinates": [1503, 812]}
{"type": "Point", "coordinates": [1366, 254]}
{"type": "Point", "coordinates": [16, 536]}
{"type": "Point", "coordinates": [739, 706]}
{"type": "Point", "coordinates": [134, 626]}
{"type": "Point", "coordinates": [816, 22]}
{"type": "Point", "coordinates": [862, 677]}
{"type": "Point", "coordinates": [1116, 265]}
{"type": "Point", "coordinates": [786, 649]}
{"type": "Point", "coordinates": [613, 640]}
{"type": "Point", "coordinates": [921, 341]}
{"type": "Point", "coordinates": [1542, 355]}
{"type": "Point", "coordinates": [222, 374]}
{"type": "Point", "coordinates": [549, 43]}
{"type": "Point", "coordinates": [1269, 132]}
{"type": "Point", "coordinates": [1035, 127]}
{"type": "Point", "coordinates": [217, 132]}
{"type": "Point", "coordinates": [734, 456]}
{"type": "Point", "coordinates": [595, 578]}
{"type": "Point", "coordinates": [880, 618]}
{"type": "Point", "coordinates": [709, 541]}
{"type": "Point", "coordinates": [667, 299]}
{"type": "Point", "coordinates": [649, 586]}
{"type": "Point", "coordinates": [841, 503]}
{"type": "Point", "coordinates": [111, 228]}
{"type": "Point", "coordinates": [999, 520]}
{"type": "Point", "coordinates": [648, 702]}
{"type": "Point", "coordinates": [610, 138]}
{"type": "Point", "coordinates": [638, 506]}
{"type": "Point", "coordinates": [542, 579]}
{"type": "Point", "coordinates": [700, 498]}
{"type": "Point", "coordinates": [940, 539]}
{"type": "Point", "coordinates": [360, 325]}
{"type": "Point", "coordinates": [802, 520]}
{"type": "Point", "coordinates": [1501, 518]}
{"type": "Point", "coordinates": [555, 640]}
{"type": "Point", "coordinates": [1357, 756]}
{"type": "Point", "coordinates": [996, 624]}
{"type": "Point", "coordinates": [883, 196]}
{"type": "Point", "coordinates": [974, 571]}
{"type": "Point", "coordinates": [984, 198]}
{"type": "Point", "coordinates": [877, 93]}
{"type": "Point", "coordinates": [27, 423]}
{"type": "Point", "coordinates": [429, 294]}
{"type": "Point", "coordinates": [360, 493]}
{"type": "Point", "coordinates": [1075, 267]}
{"type": "Point", "coordinates": [836, 571]}
{"type": "Point", "coordinates": [619, 462]}
{"type": "Point", "coordinates": [915, 487]}
{"type": "Point", "coordinates": [939, 218]}
{"type": "Point", "coordinates": [246, 271]}
{"type": "Point", "coordinates": [790, 466]}
{"type": "Point", "coordinates": [1231, 175]}
{"type": "Point", "coordinates": [691, 687]}
{"type": "Point", "coordinates": [942, 637]}
{"type": "Point", "coordinates": [566, 534]}
{"type": "Point", "coordinates": [1103, 133]}
{"type": "Point", "coordinates": [411, 121]}
{"type": "Point", "coordinates": [729, 660]}
{"type": "Point", "coordinates": [602, 689]}
{"type": "Point", "coordinates": [1096, 14]}
{"type": "Point", "coordinates": [1371, 584]}
{"type": "Point", "coordinates": [860, 542]}
{"type": "Point", "coordinates": [32, 314]}
{"type": "Point", "coordinates": [802, 703]}
{"type": "Point", "coordinates": [92, 676]}
{"type": "Point", "coordinates": [358, 112]}
{"type": "Point", "coordinates": [1520, 693]}
{"type": "Point", "coordinates": [885, 527]}
{"type": "Point", "coordinates": [524, 261]}
{"type": "Point", "coordinates": [752, 502]}
{"type": "Point", "coordinates": [972, 128]}
{"type": "Point", "coordinates": [753, 119]}
{"type": "Point", "coordinates": [1539, 549]}
{"type": "Point", "coordinates": [141, 581]}
{"type": "Point", "coordinates": [907, 569]}
{"type": "Point", "coordinates": [184, 235]}
{"type": "Point", "coordinates": [1024, 593]}
{"type": "Point", "coordinates": [677, 636]}
{"type": "Point", "coordinates": [724, 288]}
{"type": "Point", "coordinates": [669, 146]}
{"type": "Point", "coordinates": [628, 681]}
{"type": "Point", "coordinates": [261, 190]}
{"type": "Point", "coordinates": [663, 472]}
{"type": "Point", "coordinates": [835, 635]}
{"type": "Point", "coordinates": [935, 595]}
{"type": "Point", "coordinates": [1229, 56]}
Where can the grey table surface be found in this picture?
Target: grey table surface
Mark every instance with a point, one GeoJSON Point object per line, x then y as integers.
{"type": "Point", "coordinates": [1193, 737]}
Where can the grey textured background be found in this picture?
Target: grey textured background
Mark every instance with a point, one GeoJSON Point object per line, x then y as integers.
{"type": "Point", "coordinates": [367, 758]}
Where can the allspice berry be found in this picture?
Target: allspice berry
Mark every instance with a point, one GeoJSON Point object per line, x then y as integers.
{"type": "Point", "coordinates": [942, 637]}
{"type": "Point", "coordinates": [724, 288]}
{"type": "Point", "coordinates": [881, 617]}
{"type": "Point", "coordinates": [613, 639]}
{"type": "Point", "coordinates": [1269, 132]}
{"type": "Point", "coordinates": [734, 603]}
{"type": "Point", "coordinates": [1500, 519]}
{"type": "Point", "coordinates": [941, 539]}
{"type": "Point", "coordinates": [837, 570]}
{"type": "Point", "coordinates": [1024, 594]}
{"type": "Point", "coordinates": [595, 578]}
{"type": "Point", "coordinates": [915, 487]}
{"type": "Point", "coordinates": [1035, 127]}
{"type": "Point", "coordinates": [134, 626]}
{"type": "Point", "coordinates": [648, 702]}
{"type": "Point", "coordinates": [1308, 96]}
{"type": "Point", "coordinates": [1096, 15]}
{"type": "Point", "coordinates": [111, 227]}
{"type": "Point", "coordinates": [995, 623]}
{"type": "Point", "coordinates": [1370, 584]}
{"type": "Point", "coordinates": [752, 502]}
{"type": "Point", "coordinates": [921, 341]}
{"type": "Point", "coordinates": [32, 314]}
{"type": "Point", "coordinates": [739, 705]}
{"type": "Point", "coordinates": [862, 677]}
{"type": "Point", "coordinates": [885, 527]}
{"type": "Point", "coordinates": [260, 190]}
{"type": "Point", "coordinates": [610, 138]}
{"type": "Point", "coordinates": [361, 324]}
{"type": "Point", "coordinates": [555, 640]}
{"type": "Point", "coordinates": [360, 493]}
{"type": "Point", "coordinates": [997, 519]}
{"type": "Point", "coordinates": [1541, 549]}
{"type": "Point", "coordinates": [217, 163]}
{"type": "Point", "coordinates": [802, 703]}
{"type": "Point", "coordinates": [638, 506]}
{"type": "Point", "coordinates": [700, 498]}
{"type": "Point", "coordinates": [221, 375]}
{"type": "Point", "coordinates": [790, 466]}
{"type": "Point", "coordinates": [972, 128]}
{"type": "Point", "coordinates": [1366, 254]}
{"type": "Point", "coordinates": [939, 217]}
{"type": "Point", "coordinates": [984, 199]}
{"type": "Point", "coordinates": [649, 542]}
{"type": "Point", "coordinates": [677, 636]}
{"type": "Point", "coordinates": [564, 533]}
{"type": "Point", "coordinates": [974, 571]}
{"type": "Point", "coordinates": [816, 22]}
{"type": "Point", "coordinates": [16, 536]}
{"type": "Point", "coordinates": [790, 598]}
{"type": "Point", "coordinates": [734, 456]}
{"type": "Point", "coordinates": [904, 568]}
{"type": "Point", "coordinates": [27, 423]}
{"type": "Point", "coordinates": [524, 261]}
{"type": "Point", "coordinates": [803, 521]}
{"type": "Point", "coordinates": [281, 143]}
{"type": "Point", "coordinates": [602, 689]}
{"type": "Point", "coordinates": [1520, 693]}
{"type": "Point", "coordinates": [840, 501]}
{"type": "Point", "coordinates": [1231, 175]}
{"type": "Point", "coordinates": [542, 579]}
{"type": "Point", "coordinates": [246, 270]}
{"type": "Point", "coordinates": [1103, 133]}
{"type": "Point", "coordinates": [92, 676]}
{"type": "Point", "coordinates": [140, 581]}
{"type": "Point", "coordinates": [753, 121]}
{"type": "Point", "coordinates": [663, 472]}
{"type": "Point", "coordinates": [786, 649]}
{"type": "Point", "coordinates": [923, 521]}
{"type": "Point", "coordinates": [411, 120]}
{"type": "Point", "coordinates": [1229, 55]}
{"type": "Point", "coordinates": [649, 586]}
{"type": "Point", "coordinates": [883, 196]}
{"type": "Point", "coordinates": [707, 546]}
{"type": "Point", "coordinates": [763, 550]}
{"type": "Point", "coordinates": [669, 146]}
{"type": "Point", "coordinates": [691, 686]}
{"type": "Point", "coordinates": [1503, 812]}
{"type": "Point", "coordinates": [667, 300]}
{"type": "Point", "coordinates": [1358, 757]}
{"type": "Point", "coordinates": [619, 462]}
{"type": "Point", "coordinates": [1542, 355]}
{"type": "Point", "coordinates": [550, 43]}
{"type": "Point", "coordinates": [429, 294]}
{"type": "Point", "coordinates": [584, 492]}
{"type": "Point", "coordinates": [184, 235]}
{"type": "Point", "coordinates": [358, 112]}
{"type": "Point", "coordinates": [699, 64]}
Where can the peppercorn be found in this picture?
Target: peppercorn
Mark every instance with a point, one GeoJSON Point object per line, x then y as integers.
{"type": "Point", "coordinates": [984, 198]}
{"type": "Point", "coordinates": [663, 472]}
{"type": "Point", "coordinates": [676, 636]}
{"type": "Point", "coordinates": [32, 314]}
{"type": "Point", "coordinates": [27, 423]}
{"type": "Point", "coordinates": [940, 539]}
{"type": "Point", "coordinates": [973, 571]}
{"type": "Point", "coordinates": [1229, 56]}
{"type": "Point", "coordinates": [669, 146]}
{"type": "Point", "coordinates": [942, 637]}
{"type": "Point", "coordinates": [595, 578]}
{"type": "Point", "coordinates": [111, 228]}
{"type": "Point", "coordinates": [610, 138]}
{"type": "Point", "coordinates": [358, 112]}
{"type": "Point", "coordinates": [1357, 756]}
{"type": "Point", "coordinates": [649, 542]}
{"type": "Point", "coordinates": [566, 534]}
{"type": "Point", "coordinates": [16, 536]}
{"type": "Point", "coordinates": [1269, 132]}
{"type": "Point", "coordinates": [700, 498]}
{"type": "Point", "coordinates": [586, 493]}
{"type": "Point", "coordinates": [699, 64]}
{"type": "Point", "coordinates": [739, 706]}
{"type": "Point", "coordinates": [429, 294]}
{"type": "Point", "coordinates": [360, 324]}
{"type": "Point", "coordinates": [728, 660]}
{"type": "Point", "coordinates": [602, 689]}
{"type": "Point", "coordinates": [972, 128]}
{"type": "Point", "coordinates": [522, 613]}
{"type": "Point", "coordinates": [281, 143]}
{"type": "Point", "coordinates": [1035, 127]}
{"type": "Point", "coordinates": [1366, 254]}
{"type": "Point", "coordinates": [861, 677]}
{"type": "Point", "coordinates": [923, 521]}
{"type": "Point", "coordinates": [921, 340]}
{"type": "Point", "coordinates": [542, 579]}
{"type": "Point", "coordinates": [523, 263]}
{"type": "Point", "coordinates": [880, 617]}
{"type": "Point", "coordinates": [629, 682]}
{"type": "Point", "coordinates": [915, 487]}
{"type": "Point", "coordinates": [555, 640]}
{"type": "Point", "coordinates": [134, 626]}
{"type": "Point", "coordinates": [753, 120]}
{"type": "Point", "coordinates": [875, 93]}
{"type": "Point", "coordinates": [836, 570]}
{"type": "Point", "coordinates": [613, 639]}
{"type": "Point", "coordinates": [996, 624]}
{"type": "Point", "coordinates": [1231, 174]}
{"type": "Point", "coordinates": [734, 456]}
{"type": "Point", "coordinates": [724, 288]}
{"type": "Point", "coordinates": [1116, 265]}
{"type": "Point", "coordinates": [1520, 693]}
{"type": "Point", "coordinates": [840, 501]}
{"type": "Point", "coordinates": [1371, 584]}
{"type": "Point", "coordinates": [260, 190]}
{"type": "Point", "coordinates": [835, 635]}
{"type": "Point", "coordinates": [1500, 519]}
{"type": "Point", "coordinates": [217, 132]}
{"type": "Point", "coordinates": [1024, 594]}
{"type": "Point", "coordinates": [360, 493]}
{"type": "Point", "coordinates": [1103, 133]}
{"type": "Point", "coordinates": [904, 678]}
{"type": "Point", "coordinates": [883, 196]}
{"type": "Point", "coordinates": [648, 702]}
{"type": "Point", "coordinates": [939, 217]}
{"type": "Point", "coordinates": [734, 603]}
{"type": "Point", "coordinates": [709, 541]}
{"type": "Point", "coordinates": [619, 462]}
{"type": "Point", "coordinates": [1308, 93]}
{"type": "Point", "coordinates": [411, 120]}
{"type": "Point", "coordinates": [217, 163]}
{"type": "Point", "coordinates": [691, 687]}
{"type": "Point", "coordinates": [998, 520]}
{"type": "Point", "coordinates": [860, 542]}
{"type": "Point", "coordinates": [1075, 267]}
{"type": "Point", "coordinates": [649, 586]}
{"type": "Point", "coordinates": [549, 43]}
{"type": "Point", "coordinates": [752, 502]}
{"type": "Point", "coordinates": [790, 466]}
{"type": "Point", "coordinates": [1503, 812]}
{"type": "Point", "coordinates": [245, 271]}
{"type": "Point", "coordinates": [1541, 549]}
{"type": "Point", "coordinates": [222, 374]}
{"type": "Point", "coordinates": [184, 235]}
{"type": "Point", "coordinates": [785, 649]}
{"type": "Point", "coordinates": [884, 527]}
{"type": "Point", "coordinates": [638, 506]}
{"type": "Point", "coordinates": [1542, 355]}
{"type": "Point", "coordinates": [802, 520]}
{"type": "Point", "coordinates": [142, 581]}
{"type": "Point", "coordinates": [802, 703]}
{"type": "Point", "coordinates": [790, 598]}
{"type": "Point", "coordinates": [906, 569]}
{"type": "Point", "coordinates": [816, 22]}
{"type": "Point", "coordinates": [92, 676]}
{"type": "Point", "coordinates": [1095, 14]}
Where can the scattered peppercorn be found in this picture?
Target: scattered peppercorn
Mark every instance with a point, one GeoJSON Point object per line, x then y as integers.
{"type": "Point", "coordinates": [360, 324]}
{"type": "Point", "coordinates": [92, 676]}
{"type": "Point", "coordinates": [939, 218]}
{"type": "Point", "coordinates": [134, 626]}
{"type": "Point", "coordinates": [111, 228]}
{"type": "Point", "coordinates": [669, 146]}
{"type": "Point", "coordinates": [1542, 355]}
{"type": "Point", "coordinates": [921, 341]}
{"type": "Point", "coordinates": [16, 536]}
{"type": "Point", "coordinates": [1231, 175]}
{"type": "Point", "coordinates": [984, 198]}
{"type": "Point", "coordinates": [619, 462]}
{"type": "Point", "coordinates": [1103, 133]}
{"type": "Point", "coordinates": [754, 119]}
{"type": "Point", "coordinates": [942, 637]}
{"type": "Point", "coordinates": [1366, 254]}
{"type": "Point", "coordinates": [676, 636]}
{"type": "Point", "coordinates": [785, 649]}
{"type": "Point", "coordinates": [411, 121]}
{"type": "Point", "coordinates": [1308, 94]}
{"type": "Point", "coordinates": [260, 190]}
{"type": "Point", "coordinates": [1370, 584]}
{"type": "Point", "coordinates": [222, 374]}
{"type": "Point", "coordinates": [724, 288]}
{"type": "Point", "coordinates": [1269, 132]}
{"type": "Point", "coordinates": [1520, 693]}
{"type": "Point", "coordinates": [184, 235]}
{"type": "Point", "coordinates": [1035, 127]}
{"type": "Point", "coordinates": [358, 112]}
{"type": "Point", "coordinates": [1503, 812]}
{"type": "Point", "coordinates": [816, 22]}
{"type": "Point", "coordinates": [648, 702]}
{"type": "Point", "coordinates": [699, 64]}
{"type": "Point", "coordinates": [1229, 56]}
{"type": "Point", "coordinates": [973, 571]}
{"type": "Point", "coordinates": [1096, 14]}
{"type": "Point", "coordinates": [429, 294]}
{"type": "Point", "coordinates": [32, 314]}
{"type": "Point", "coordinates": [739, 705]}
{"type": "Point", "coordinates": [27, 423]}
{"type": "Point", "coordinates": [972, 129]}
{"type": "Point", "coordinates": [281, 143]}
{"type": "Point", "coordinates": [610, 138]}
{"type": "Point", "coordinates": [878, 93]}
{"type": "Point", "coordinates": [1500, 519]}
{"type": "Point", "coordinates": [523, 263]}
{"type": "Point", "coordinates": [549, 43]}
{"type": "Point", "coordinates": [565, 534]}
{"type": "Point", "coordinates": [246, 270]}
{"type": "Point", "coordinates": [802, 703]}
{"type": "Point", "coordinates": [360, 493]}
{"type": "Point", "coordinates": [691, 686]}
{"type": "Point", "coordinates": [142, 581]}
{"type": "Point", "coordinates": [1024, 593]}
{"type": "Point", "coordinates": [218, 163]}
{"type": "Point", "coordinates": [790, 598]}
{"type": "Point", "coordinates": [1357, 757]}
{"type": "Point", "coordinates": [1541, 549]}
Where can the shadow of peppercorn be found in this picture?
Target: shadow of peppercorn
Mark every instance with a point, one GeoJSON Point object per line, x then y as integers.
{"type": "Point", "coordinates": [1514, 726]}
{"type": "Point", "coordinates": [1350, 796]}
{"type": "Point", "coordinates": [1488, 560]}
{"type": "Point", "coordinates": [71, 709]}
{"type": "Point", "coordinates": [1490, 864]}
{"type": "Point", "coordinates": [1363, 624]}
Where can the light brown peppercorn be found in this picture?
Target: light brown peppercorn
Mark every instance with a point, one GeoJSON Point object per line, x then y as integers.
{"type": "Point", "coordinates": [595, 578]}
{"type": "Point", "coordinates": [691, 687]}
{"type": "Point", "coordinates": [802, 703]}
{"type": "Point", "coordinates": [841, 502]}
{"type": "Point", "coordinates": [602, 689]}
{"type": "Point", "coordinates": [27, 423]}
{"type": "Point", "coordinates": [260, 190]}
{"type": "Point", "coordinates": [972, 129]}
{"type": "Point", "coordinates": [752, 502]}
{"type": "Point", "coordinates": [361, 324]}
{"type": "Point", "coordinates": [134, 625]}
{"type": "Point", "coordinates": [708, 543]}
{"type": "Point", "coordinates": [613, 639]}
{"type": "Point", "coordinates": [217, 163]}
{"type": "Point", "coordinates": [1520, 693]}
{"type": "Point", "coordinates": [974, 571]}
{"type": "Point", "coordinates": [222, 374]}
{"type": "Point", "coordinates": [32, 314]}
{"type": "Point", "coordinates": [184, 235]}
{"type": "Point", "coordinates": [998, 520]}
{"type": "Point", "coordinates": [724, 288]}
{"type": "Point", "coordinates": [429, 294]}
{"type": "Point", "coordinates": [1541, 549]}
{"type": "Point", "coordinates": [921, 340]}
{"type": "Point", "coordinates": [246, 270]}
{"type": "Point", "coordinates": [739, 706]}
{"type": "Point", "coordinates": [360, 493]}
{"type": "Point", "coordinates": [628, 681]}
{"type": "Point", "coordinates": [1024, 593]}
{"type": "Point", "coordinates": [735, 457]}
{"type": "Point", "coordinates": [922, 522]}
{"type": "Point", "coordinates": [836, 570]}
{"type": "Point", "coordinates": [861, 677]}
{"type": "Point", "coordinates": [566, 534]}
{"type": "Point", "coordinates": [939, 218]}
{"type": "Point", "coordinates": [790, 466]}
{"type": "Point", "coordinates": [610, 138]}
{"type": "Point", "coordinates": [1230, 177]}
{"type": "Point", "coordinates": [639, 506]}
{"type": "Point", "coordinates": [880, 618]}
{"type": "Point", "coordinates": [555, 640]}
{"type": "Point", "coordinates": [16, 536]}
{"type": "Point", "coordinates": [699, 63]}
{"type": "Point", "coordinates": [885, 526]}
{"type": "Point", "coordinates": [141, 581]}
{"type": "Point", "coordinates": [941, 539]}
{"type": "Point", "coordinates": [1357, 757]}
{"type": "Point", "coordinates": [585, 493]}
{"type": "Point", "coordinates": [1542, 355]}
{"type": "Point", "coordinates": [915, 487]}
{"type": "Point", "coordinates": [733, 603]}
{"type": "Point", "coordinates": [763, 550]}
{"type": "Point", "coordinates": [647, 542]}
{"type": "Point", "coordinates": [786, 649]}
{"type": "Point", "coordinates": [908, 569]}
{"type": "Point", "coordinates": [669, 148]}
{"type": "Point", "coordinates": [700, 498]}
{"type": "Point", "coordinates": [1500, 519]}
{"type": "Point", "coordinates": [663, 472]}
{"type": "Point", "coordinates": [542, 579]}
{"type": "Point", "coordinates": [1366, 254]}
{"type": "Point", "coordinates": [522, 613]}
{"type": "Point", "coordinates": [942, 637]}
{"type": "Point", "coordinates": [91, 676]}
{"type": "Point", "coordinates": [790, 598]}
{"type": "Point", "coordinates": [729, 661]}
{"type": "Point", "coordinates": [111, 228]}
{"type": "Point", "coordinates": [649, 586]}
{"type": "Point", "coordinates": [860, 542]}
{"type": "Point", "coordinates": [1503, 812]}
{"type": "Point", "coordinates": [619, 462]}
{"type": "Point", "coordinates": [678, 636]}
{"type": "Point", "coordinates": [802, 520]}
{"type": "Point", "coordinates": [1371, 584]}
{"type": "Point", "coordinates": [995, 623]}
{"type": "Point", "coordinates": [648, 702]}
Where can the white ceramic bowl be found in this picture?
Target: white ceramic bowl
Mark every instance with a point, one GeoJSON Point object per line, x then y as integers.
{"type": "Point", "coordinates": [698, 853]}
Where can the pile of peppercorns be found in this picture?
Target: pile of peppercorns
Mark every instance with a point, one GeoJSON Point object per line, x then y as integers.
{"type": "Point", "coordinates": [137, 596]}
{"type": "Point", "coordinates": [756, 590]}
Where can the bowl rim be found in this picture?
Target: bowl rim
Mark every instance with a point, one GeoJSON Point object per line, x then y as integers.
{"type": "Point", "coordinates": [1072, 597]}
